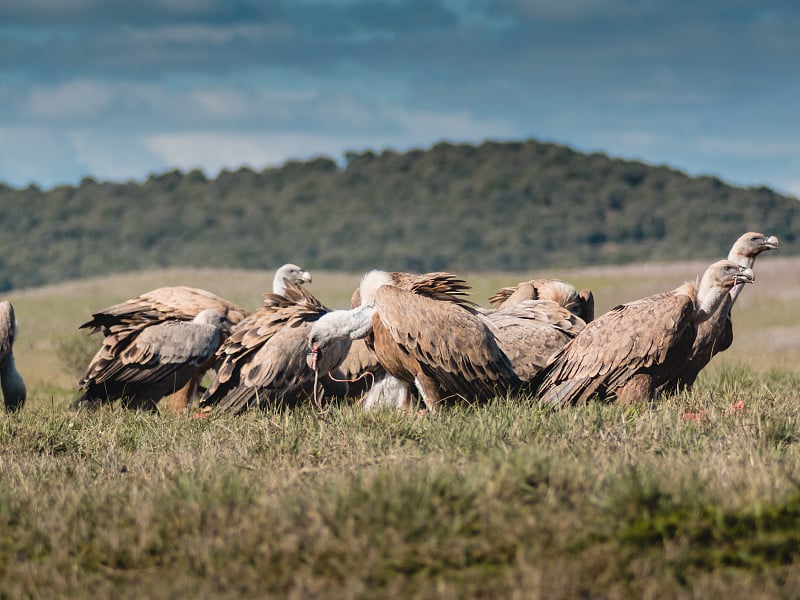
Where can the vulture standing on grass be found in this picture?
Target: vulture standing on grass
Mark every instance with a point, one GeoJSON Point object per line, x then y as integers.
{"type": "Point", "coordinates": [715, 334]}
{"type": "Point", "coordinates": [14, 392]}
{"type": "Point", "coordinates": [558, 291]}
{"type": "Point", "coordinates": [156, 362]}
{"type": "Point", "coordinates": [264, 359]}
{"type": "Point", "coordinates": [124, 323]}
{"type": "Point", "coordinates": [370, 385]}
{"type": "Point", "coordinates": [634, 348]}
{"type": "Point", "coordinates": [427, 336]}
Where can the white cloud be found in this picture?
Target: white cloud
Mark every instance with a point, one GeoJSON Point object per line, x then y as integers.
{"type": "Point", "coordinates": [77, 98]}
{"type": "Point", "coordinates": [453, 125]}
{"type": "Point", "coordinates": [748, 147]}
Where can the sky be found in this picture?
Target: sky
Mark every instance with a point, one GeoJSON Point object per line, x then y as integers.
{"type": "Point", "coordinates": [120, 90]}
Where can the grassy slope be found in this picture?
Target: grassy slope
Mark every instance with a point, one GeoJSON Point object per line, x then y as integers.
{"type": "Point", "coordinates": [767, 332]}
{"type": "Point", "coordinates": [505, 500]}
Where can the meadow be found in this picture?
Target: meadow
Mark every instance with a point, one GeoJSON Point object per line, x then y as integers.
{"type": "Point", "coordinates": [695, 496]}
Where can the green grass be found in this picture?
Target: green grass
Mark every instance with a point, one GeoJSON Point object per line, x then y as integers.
{"type": "Point", "coordinates": [691, 497]}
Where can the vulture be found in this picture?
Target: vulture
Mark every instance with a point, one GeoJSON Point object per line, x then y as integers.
{"type": "Point", "coordinates": [635, 347]}
{"type": "Point", "coordinates": [715, 334]}
{"type": "Point", "coordinates": [264, 359]}
{"type": "Point", "coordinates": [531, 331]}
{"type": "Point", "coordinates": [558, 291]}
{"type": "Point", "coordinates": [157, 361]}
{"type": "Point", "coordinates": [427, 336]}
{"type": "Point", "coordinates": [122, 324]}
{"type": "Point", "coordinates": [14, 392]}
{"type": "Point", "coordinates": [370, 385]}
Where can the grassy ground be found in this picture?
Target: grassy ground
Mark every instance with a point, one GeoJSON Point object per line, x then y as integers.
{"type": "Point", "coordinates": [697, 496]}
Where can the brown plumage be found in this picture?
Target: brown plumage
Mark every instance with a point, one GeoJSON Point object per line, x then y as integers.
{"type": "Point", "coordinates": [370, 385]}
{"type": "Point", "coordinates": [423, 336]}
{"type": "Point", "coordinates": [529, 332]}
{"type": "Point", "coordinates": [558, 291]}
{"type": "Point", "coordinates": [715, 334]}
{"type": "Point", "coordinates": [123, 323]}
{"type": "Point", "coordinates": [264, 359]}
{"type": "Point", "coordinates": [158, 360]}
{"type": "Point", "coordinates": [14, 391]}
{"type": "Point", "coordinates": [634, 348]}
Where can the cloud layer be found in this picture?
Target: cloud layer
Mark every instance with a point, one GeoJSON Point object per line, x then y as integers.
{"type": "Point", "coordinates": [118, 92]}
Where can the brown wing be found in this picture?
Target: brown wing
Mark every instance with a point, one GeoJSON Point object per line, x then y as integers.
{"type": "Point", "coordinates": [451, 343]}
{"type": "Point", "coordinates": [265, 356]}
{"type": "Point", "coordinates": [159, 360]}
{"type": "Point", "coordinates": [531, 331]}
{"type": "Point", "coordinates": [586, 311]}
{"type": "Point", "coordinates": [555, 290]}
{"type": "Point", "coordinates": [614, 347]}
{"type": "Point", "coordinates": [161, 304]}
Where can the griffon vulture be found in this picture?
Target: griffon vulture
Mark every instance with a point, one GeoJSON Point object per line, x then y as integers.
{"type": "Point", "coordinates": [122, 323]}
{"type": "Point", "coordinates": [157, 361]}
{"type": "Point", "coordinates": [14, 392]}
{"type": "Point", "coordinates": [370, 385]}
{"type": "Point", "coordinates": [529, 332]}
{"type": "Point", "coordinates": [634, 348]}
{"type": "Point", "coordinates": [264, 359]}
{"type": "Point", "coordinates": [715, 334]}
{"type": "Point", "coordinates": [424, 336]}
{"type": "Point", "coordinates": [558, 291]}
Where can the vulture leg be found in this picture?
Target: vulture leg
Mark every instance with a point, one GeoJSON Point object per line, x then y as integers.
{"type": "Point", "coordinates": [638, 388]}
{"type": "Point", "coordinates": [429, 391]}
{"type": "Point", "coordinates": [181, 399]}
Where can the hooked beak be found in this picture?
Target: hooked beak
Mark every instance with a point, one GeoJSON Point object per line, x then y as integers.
{"type": "Point", "coordinates": [744, 275]}
{"type": "Point", "coordinates": [306, 277]}
{"type": "Point", "coordinates": [311, 358]}
{"type": "Point", "coordinates": [771, 243]}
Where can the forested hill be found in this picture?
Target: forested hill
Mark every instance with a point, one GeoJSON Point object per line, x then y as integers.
{"type": "Point", "coordinates": [508, 206]}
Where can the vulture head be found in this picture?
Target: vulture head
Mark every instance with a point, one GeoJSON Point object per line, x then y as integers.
{"type": "Point", "coordinates": [717, 281]}
{"type": "Point", "coordinates": [289, 273]}
{"type": "Point", "coordinates": [331, 335]}
{"type": "Point", "coordinates": [750, 245]}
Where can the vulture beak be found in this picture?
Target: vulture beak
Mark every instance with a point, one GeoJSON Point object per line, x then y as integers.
{"type": "Point", "coordinates": [306, 276]}
{"type": "Point", "coordinates": [311, 358]}
{"type": "Point", "coordinates": [770, 243]}
{"type": "Point", "coordinates": [744, 275]}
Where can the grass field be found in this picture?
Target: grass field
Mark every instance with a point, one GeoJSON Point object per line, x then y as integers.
{"type": "Point", "coordinates": [697, 496]}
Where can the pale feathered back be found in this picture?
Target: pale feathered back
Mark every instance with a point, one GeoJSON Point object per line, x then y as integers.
{"type": "Point", "coordinates": [14, 391]}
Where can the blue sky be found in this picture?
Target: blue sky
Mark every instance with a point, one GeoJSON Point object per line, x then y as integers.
{"type": "Point", "coordinates": [119, 90]}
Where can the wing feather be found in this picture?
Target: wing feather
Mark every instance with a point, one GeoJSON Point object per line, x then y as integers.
{"type": "Point", "coordinates": [613, 347]}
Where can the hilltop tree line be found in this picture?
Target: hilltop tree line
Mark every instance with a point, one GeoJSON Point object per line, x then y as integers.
{"type": "Point", "coordinates": [496, 206]}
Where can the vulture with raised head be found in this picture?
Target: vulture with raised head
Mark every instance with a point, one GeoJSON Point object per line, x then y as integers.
{"type": "Point", "coordinates": [427, 336]}
{"type": "Point", "coordinates": [264, 359]}
{"type": "Point", "coordinates": [558, 291]}
{"type": "Point", "coordinates": [14, 392]}
{"type": "Point", "coordinates": [635, 347]}
{"type": "Point", "coordinates": [715, 334]}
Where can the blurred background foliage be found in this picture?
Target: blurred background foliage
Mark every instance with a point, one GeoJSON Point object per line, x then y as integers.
{"type": "Point", "coordinates": [509, 206]}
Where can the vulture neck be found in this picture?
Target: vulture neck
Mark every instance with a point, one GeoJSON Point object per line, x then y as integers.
{"type": "Point", "coordinates": [14, 392]}
{"type": "Point", "coordinates": [709, 297]}
{"type": "Point", "coordinates": [279, 284]}
{"type": "Point", "coordinates": [358, 323]}
{"type": "Point", "coordinates": [744, 260]}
